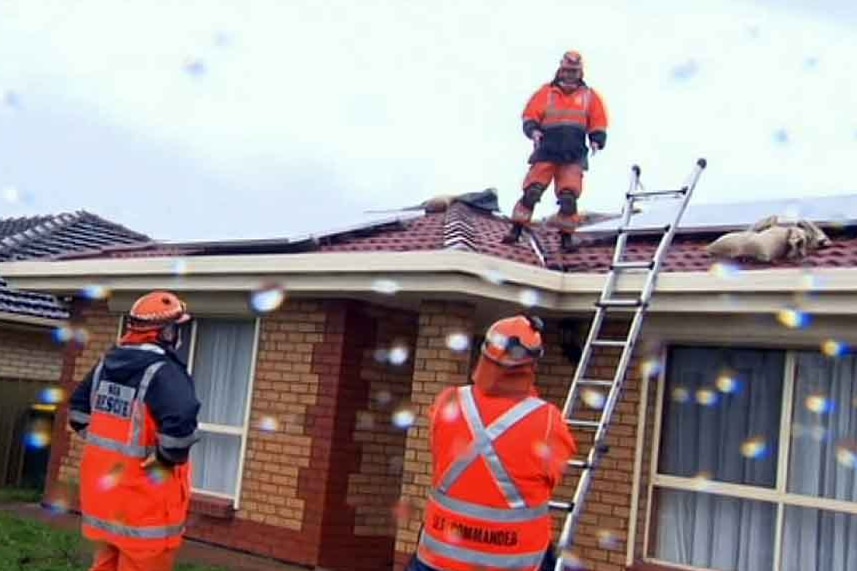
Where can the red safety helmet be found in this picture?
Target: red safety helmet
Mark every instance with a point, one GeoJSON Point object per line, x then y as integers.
{"type": "Point", "coordinates": [514, 341]}
{"type": "Point", "coordinates": [157, 310]}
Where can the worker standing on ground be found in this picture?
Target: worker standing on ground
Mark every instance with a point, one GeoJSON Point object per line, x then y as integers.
{"type": "Point", "coordinates": [559, 118]}
{"type": "Point", "coordinates": [498, 453]}
{"type": "Point", "coordinates": [137, 410]}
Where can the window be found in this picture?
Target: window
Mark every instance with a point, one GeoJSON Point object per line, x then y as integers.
{"type": "Point", "coordinates": [755, 465]}
{"type": "Point", "coordinates": [220, 353]}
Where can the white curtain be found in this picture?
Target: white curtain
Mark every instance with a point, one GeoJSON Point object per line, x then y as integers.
{"type": "Point", "coordinates": [221, 368]}
{"type": "Point", "coordinates": [822, 465]}
{"type": "Point", "coordinates": [705, 438]}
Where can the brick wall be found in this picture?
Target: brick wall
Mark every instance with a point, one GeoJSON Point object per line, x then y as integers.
{"type": "Point", "coordinates": [435, 368]}
{"type": "Point", "coordinates": [374, 489]}
{"type": "Point", "coordinates": [29, 354]}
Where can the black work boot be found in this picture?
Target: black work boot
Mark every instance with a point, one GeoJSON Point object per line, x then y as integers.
{"type": "Point", "coordinates": [566, 243]}
{"type": "Point", "coordinates": [514, 234]}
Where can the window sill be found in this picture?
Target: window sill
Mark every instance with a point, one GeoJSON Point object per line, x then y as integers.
{"type": "Point", "coordinates": [210, 506]}
{"type": "Point", "coordinates": [645, 566]}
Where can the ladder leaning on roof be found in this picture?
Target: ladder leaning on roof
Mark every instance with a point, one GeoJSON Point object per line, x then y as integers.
{"type": "Point", "coordinates": [607, 302]}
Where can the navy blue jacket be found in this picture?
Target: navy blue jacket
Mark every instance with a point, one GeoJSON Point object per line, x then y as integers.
{"type": "Point", "coordinates": [171, 397]}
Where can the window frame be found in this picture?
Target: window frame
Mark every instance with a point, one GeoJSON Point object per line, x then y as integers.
{"type": "Point", "coordinates": [244, 430]}
{"type": "Point", "coordinates": [778, 495]}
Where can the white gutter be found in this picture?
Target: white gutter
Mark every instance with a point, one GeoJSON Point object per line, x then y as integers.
{"type": "Point", "coordinates": [442, 272]}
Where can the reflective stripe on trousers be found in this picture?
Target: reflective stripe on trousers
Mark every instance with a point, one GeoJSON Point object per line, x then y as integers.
{"type": "Point", "coordinates": [157, 532]}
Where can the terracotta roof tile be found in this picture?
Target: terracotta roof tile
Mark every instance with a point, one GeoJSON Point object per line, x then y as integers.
{"type": "Point", "coordinates": [464, 227]}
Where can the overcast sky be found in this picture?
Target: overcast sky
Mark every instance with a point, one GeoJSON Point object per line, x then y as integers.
{"type": "Point", "coordinates": [248, 118]}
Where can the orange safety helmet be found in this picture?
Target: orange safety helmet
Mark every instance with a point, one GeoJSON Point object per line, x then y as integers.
{"type": "Point", "coordinates": [514, 341]}
{"type": "Point", "coordinates": [157, 310]}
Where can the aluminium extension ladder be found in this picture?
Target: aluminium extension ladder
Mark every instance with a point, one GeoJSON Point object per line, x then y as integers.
{"type": "Point", "coordinates": [607, 301]}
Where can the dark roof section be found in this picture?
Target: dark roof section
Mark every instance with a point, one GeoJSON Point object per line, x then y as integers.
{"type": "Point", "coordinates": [471, 223]}
{"type": "Point", "coordinates": [51, 237]}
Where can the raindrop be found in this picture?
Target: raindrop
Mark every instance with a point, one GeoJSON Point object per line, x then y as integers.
{"type": "Point", "coordinates": [111, 479]}
{"type": "Point", "coordinates": [266, 299]}
{"type": "Point", "coordinates": [754, 448]}
{"type": "Point", "coordinates": [403, 509]}
{"type": "Point", "coordinates": [571, 561]}
{"type": "Point", "coordinates": [725, 270]}
{"type": "Point", "coordinates": [833, 348]}
{"type": "Point", "coordinates": [11, 99]}
{"type": "Point", "coordinates": [607, 539]}
{"type": "Point", "coordinates": [222, 39]}
{"type": "Point", "coordinates": [651, 367]}
{"type": "Point", "coordinates": [397, 464]}
{"type": "Point", "coordinates": [681, 395]}
{"type": "Point", "coordinates": [702, 480]}
{"type": "Point", "coordinates": [593, 399]}
{"type": "Point", "coordinates": [685, 71]}
{"type": "Point", "coordinates": [542, 449]}
{"type": "Point", "coordinates": [158, 474]}
{"type": "Point", "coordinates": [63, 334]}
{"type": "Point", "coordinates": [38, 437]}
{"type": "Point", "coordinates": [811, 62]}
{"type": "Point", "coordinates": [58, 506]}
{"type": "Point", "coordinates": [95, 292]}
{"type": "Point", "coordinates": [792, 211]}
{"type": "Point", "coordinates": [450, 412]}
{"type": "Point", "coordinates": [179, 267]}
{"type": "Point", "coordinates": [380, 355]}
{"type": "Point", "coordinates": [398, 355]}
{"type": "Point", "coordinates": [846, 455]}
{"type": "Point", "coordinates": [494, 276]}
{"type": "Point", "coordinates": [81, 336]}
{"type": "Point", "coordinates": [268, 424]}
{"type": "Point", "coordinates": [404, 418]}
{"type": "Point", "coordinates": [383, 397]}
{"type": "Point", "coordinates": [706, 397]}
{"type": "Point", "coordinates": [458, 342]}
{"type": "Point", "coordinates": [11, 195]}
{"type": "Point", "coordinates": [194, 67]}
{"type": "Point", "coordinates": [726, 383]}
{"type": "Point", "coordinates": [793, 318]}
{"type": "Point", "coordinates": [52, 395]}
{"type": "Point", "coordinates": [365, 420]}
{"type": "Point", "coordinates": [386, 287]}
{"type": "Point", "coordinates": [781, 136]}
{"type": "Point", "coordinates": [818, 404]}
{"type": "Point", "coordinates": [529, 297]}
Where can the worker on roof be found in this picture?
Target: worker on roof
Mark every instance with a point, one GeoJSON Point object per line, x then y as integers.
{"type": "Point", "coordinates": [498, 453]}
{"type": "Point", "coordinates": [559, 118]}
{"type": "Point", "coordinates": [137, 410]}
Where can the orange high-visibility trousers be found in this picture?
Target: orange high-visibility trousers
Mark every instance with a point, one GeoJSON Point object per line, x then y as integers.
{"type": "Point", "coordinates": [111, 558]}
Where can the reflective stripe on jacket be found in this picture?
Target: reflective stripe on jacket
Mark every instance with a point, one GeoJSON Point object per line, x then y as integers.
{"type": "Point", "coordinates": [121, 502]}
{"type": "Point", "coordinates": [488, 508]}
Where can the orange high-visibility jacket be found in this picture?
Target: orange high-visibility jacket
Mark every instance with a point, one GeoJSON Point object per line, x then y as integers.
{"type": "Point", "coordinates": [121, 502]}
{"type": "Point", "coordinates": [565, 119]}
{"type": "Point", "coordinates": [496, 462]}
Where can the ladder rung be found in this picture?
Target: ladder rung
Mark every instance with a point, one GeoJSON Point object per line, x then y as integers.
{"type": "Point", "coordinates": [608, 343]}
{"type": "Point", "coordinates": [595, 382]}
{"type": "Point", "coordinates": [583, 423]}
{"type": "Point", "coordinates": [579, 464]}
{"type": "Point", "coordinates": [564, 506]}
{"type": "Point", "coordinates": [655, 193]}
{"type": "Point", "coordinates": [633, 231]}
{"type": "Point", "coordinates": [619, 303]}
{"type": "Point", "coordinates": [642, 265]}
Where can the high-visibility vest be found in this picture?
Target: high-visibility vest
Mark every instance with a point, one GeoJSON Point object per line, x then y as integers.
{"type": "Point", "coordinates": [567, 109]}
{"type": "Point", "coordinates": [464, 532]}
{"type": "Point", "coordinates": [121, 502]}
